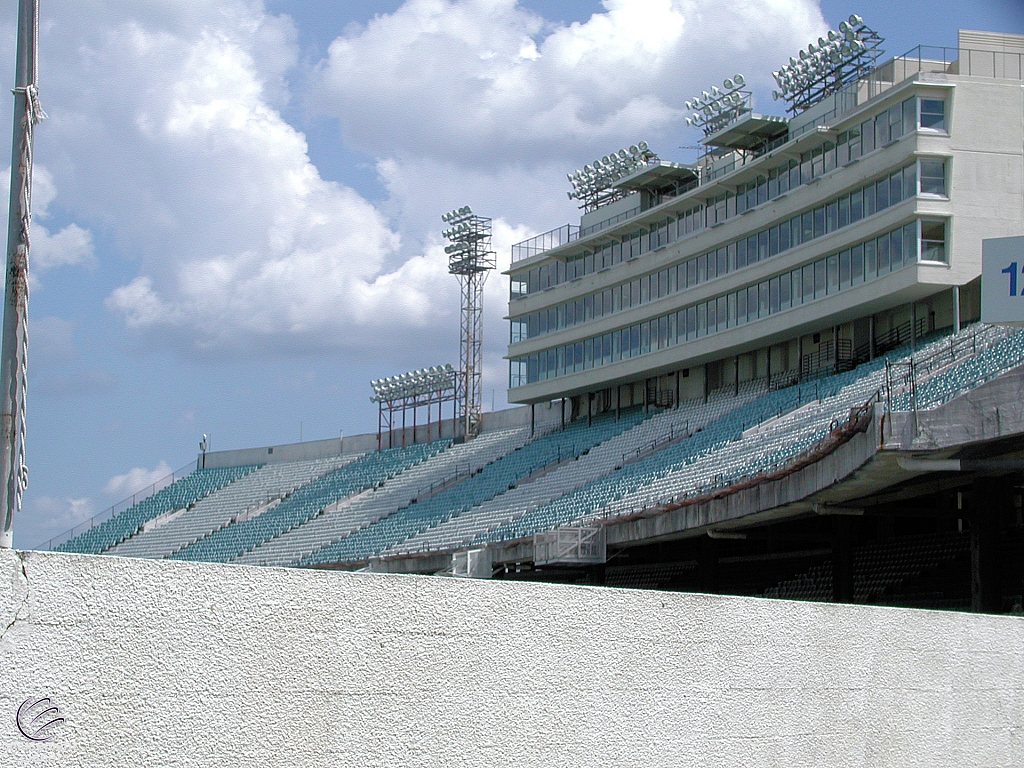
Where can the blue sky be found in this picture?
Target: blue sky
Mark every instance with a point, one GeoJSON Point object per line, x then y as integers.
{"type": "Point", "coordinates": [237, 202]}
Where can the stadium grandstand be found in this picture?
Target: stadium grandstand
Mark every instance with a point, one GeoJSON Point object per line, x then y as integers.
{"type": "Point", "coordinates": [762, 373]}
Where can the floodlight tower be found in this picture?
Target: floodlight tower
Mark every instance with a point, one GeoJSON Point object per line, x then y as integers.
{"type": "Point", "coordinates": [470, 258]}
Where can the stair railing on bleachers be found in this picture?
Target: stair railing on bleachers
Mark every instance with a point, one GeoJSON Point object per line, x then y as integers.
{"type": "Point", "coordinates": [123, 504]}
{"type": "Point", "coordinates": [674, 433]}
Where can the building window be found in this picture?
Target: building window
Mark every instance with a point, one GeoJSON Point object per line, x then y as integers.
{"type": "Point", "coordinates": [933, 176]}
{"type": "Point", "coordinates": [933, 241]}
{"type": "Point", "coordinates": [933, 114]}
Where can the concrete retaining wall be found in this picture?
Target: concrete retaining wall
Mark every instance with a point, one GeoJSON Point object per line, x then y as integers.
{"type": "Point", "coordinates": [164, 663]}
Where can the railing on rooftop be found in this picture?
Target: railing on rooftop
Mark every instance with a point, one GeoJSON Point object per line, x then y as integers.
{"type": "Point", "coordinates": [117, 508]}
{"type": "Point", "coordinates": [545, 242]}
{"type": "Point", "coordinates": [965, 62]}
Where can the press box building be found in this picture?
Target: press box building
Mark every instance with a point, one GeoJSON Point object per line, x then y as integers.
{"type": "Point", "coordinates": [794, 246]}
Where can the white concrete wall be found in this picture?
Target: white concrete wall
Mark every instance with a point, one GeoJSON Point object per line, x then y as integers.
{"type": "Point", "coordinates": [167, 664]}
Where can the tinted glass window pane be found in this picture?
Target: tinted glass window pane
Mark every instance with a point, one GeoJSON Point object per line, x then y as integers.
{"type": "Point", "coordinates": [857, 264]}
{"type": "Point", "coordinates": [882, 245]}
{"type": "Point", "coordinates": [882, 195]}
{"type": "Point", "coordinates": [933, 241]}
{"type": "Point", "coordinates": [933, 176]}
{"type": "Point", "coordinates": [870, 260]}
{"type": "Point", "coordinates": [867, 136]}
{"type": "Point", "coordinates": [933, 114]}
{"type": "Point", "coordinates": [819, 221]}
{"type": "Point", "coordinates": [909, 115]}
{"type": "Point", "coordinates": [896, 249]}
{"type": "Point", "coordinates": [895, 187]}
{"type": "Point", "coordinates": [909, 181]}
{"type": "Point", "coordinates": [844, 211]}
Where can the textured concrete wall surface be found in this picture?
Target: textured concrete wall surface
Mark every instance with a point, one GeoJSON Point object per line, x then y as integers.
{"type": "Point", "coordinates": [187, 664]}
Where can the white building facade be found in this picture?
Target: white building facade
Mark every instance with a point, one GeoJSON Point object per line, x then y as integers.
{"type": "Point", "coordinates": [793, 248]}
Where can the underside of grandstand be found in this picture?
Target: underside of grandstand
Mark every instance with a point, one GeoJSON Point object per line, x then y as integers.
{"type": "Point", "coordinates": [897, 482]}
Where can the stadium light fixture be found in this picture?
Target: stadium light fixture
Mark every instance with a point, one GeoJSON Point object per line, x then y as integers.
{"type": "Point", "coordinates": [592, 183]}
{"type": "Point", "coordinates": [714, 110]}
{"type": "Point", "coordinates": [824, 67]}
{"type": "Point", "coordinates": [438, 378]}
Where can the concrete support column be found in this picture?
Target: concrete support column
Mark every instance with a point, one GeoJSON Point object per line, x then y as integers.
{"type": "Point", "coordinates": [986, 507]}
{"type": "Point", "coordinates": [533, 418]}
{"type": "Point", "coordinates": [913, 327]}
{"type": "Point", "coordinates": [956, 309]}
{"type": "Point", "coordinates": [871, 337]}
{"type": "Point", "coordinates": [842, 559]}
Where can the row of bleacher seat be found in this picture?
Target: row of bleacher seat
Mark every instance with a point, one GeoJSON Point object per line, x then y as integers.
{"type": "Point", "coordinates": [219, 509]}
{"type": "Point", "coordinates": [180, 494]}
{"type": "Point", "coordinates": [442, 469]}
{"type": "Point", "coordinates": [727, 451]}
{"type": "Point", "coordinates": [689, 465]}
{"type": "Point", "coordinates": [648, 435]}
{"type": "Point", "coordinates": [998, 353]}
{"type": "Point", "coordinates": [365, 472]}
{"type": "Point", "coordinates": [496, 478]}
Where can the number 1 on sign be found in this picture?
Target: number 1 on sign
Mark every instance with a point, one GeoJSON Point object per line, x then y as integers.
{"type": "Point", "coordinates": [1012, 272]}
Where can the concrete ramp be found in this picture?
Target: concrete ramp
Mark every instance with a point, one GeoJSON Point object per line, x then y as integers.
{"type": "Point", "coordinates": [191, 664]}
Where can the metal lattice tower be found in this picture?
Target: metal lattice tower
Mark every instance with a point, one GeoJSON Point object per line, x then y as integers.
{"type": "Point", "coordinates": [470, 258]}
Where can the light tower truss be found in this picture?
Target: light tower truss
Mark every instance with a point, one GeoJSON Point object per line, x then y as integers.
{"type": "Point", "coordinates": [826, 67]}
{"type": "Point", "coordinates": [470, 258]}
{"type": "Point", "coordinates": [411, 391]}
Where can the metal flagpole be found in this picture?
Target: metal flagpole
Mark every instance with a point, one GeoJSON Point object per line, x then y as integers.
{"type": "Point", "coordinates": [27, 113]}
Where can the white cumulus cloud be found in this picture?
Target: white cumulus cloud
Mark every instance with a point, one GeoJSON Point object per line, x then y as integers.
{"type": "Point", "coordinates": [490, 82]}
{"type": "Point", "coordinates": [166, 133]}
{"type": "Point", "coordinates": [135, 479]}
